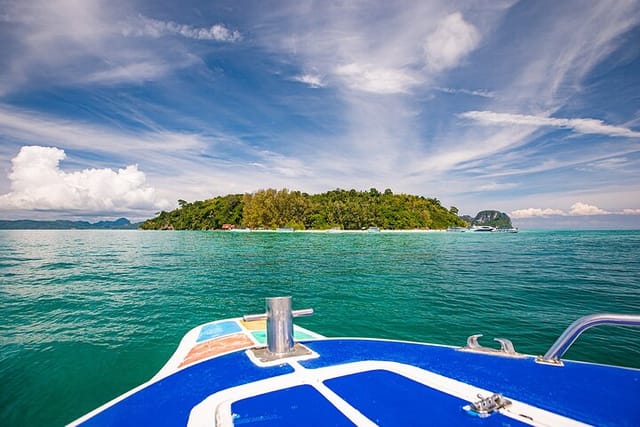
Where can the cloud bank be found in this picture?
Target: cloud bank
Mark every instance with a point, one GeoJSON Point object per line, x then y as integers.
{"type": "Point", "coordinates": [577, 209]}
{"type": "Point", "coordinates": [38, 183]}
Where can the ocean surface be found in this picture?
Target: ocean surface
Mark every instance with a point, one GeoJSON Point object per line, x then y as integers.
{"type": "Point", "coordinates": [87, 315]}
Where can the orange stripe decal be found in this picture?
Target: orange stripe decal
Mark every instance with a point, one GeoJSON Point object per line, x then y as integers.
{"type": "Point", "coordinates": [217, 346]}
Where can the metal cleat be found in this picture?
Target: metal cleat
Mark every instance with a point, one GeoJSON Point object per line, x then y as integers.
{"type": "Point", "coordinates": [506, 347]}
{"type": "Point", "coordinates": [279, 318]}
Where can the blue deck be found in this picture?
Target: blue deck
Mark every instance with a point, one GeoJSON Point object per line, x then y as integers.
{"type": "Point", "coordinates": [388, 399]}
{"type": "Point", "coordinates": [594, 394]}
{"type": "Point", "coordinates": [296, 406]}
{"type": "Point", "coordinates": [589, 393]}
{"type": "Point", "coordinates": [169, 401]}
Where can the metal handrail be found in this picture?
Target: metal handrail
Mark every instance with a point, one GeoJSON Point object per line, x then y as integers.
{"type": "Point", "coordinates": [562, 344]}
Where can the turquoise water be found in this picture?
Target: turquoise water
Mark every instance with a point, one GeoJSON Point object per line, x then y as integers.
{"type": "Point", "coordinates": [87, 315]}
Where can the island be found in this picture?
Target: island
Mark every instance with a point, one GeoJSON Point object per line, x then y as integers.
{"type": "Point", "coordinates": [284, 209]}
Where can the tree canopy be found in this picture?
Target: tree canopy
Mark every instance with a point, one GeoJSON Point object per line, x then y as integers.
{"type": "Point", "coordinates": [344, 209]}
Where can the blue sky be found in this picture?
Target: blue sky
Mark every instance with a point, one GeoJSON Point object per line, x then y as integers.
{"type": "Point", "coordinates": [120, 108]}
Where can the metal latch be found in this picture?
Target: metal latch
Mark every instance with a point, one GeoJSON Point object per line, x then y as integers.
{"type": "Point", "coordinates": [487, 405]}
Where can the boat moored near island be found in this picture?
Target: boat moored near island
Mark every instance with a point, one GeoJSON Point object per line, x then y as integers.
{"type": "Point", "coordinates": [482, 228]}
{"type": "Point", "coordinates": [507, 229]}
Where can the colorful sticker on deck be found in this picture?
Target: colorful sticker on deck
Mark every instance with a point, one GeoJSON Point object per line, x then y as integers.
{"type": "Point", "coordinates": [261, 336]}
{"type": "Point", "coordinates": [218, 329]}
{"type": "Point", "coordinates": [216, 347]}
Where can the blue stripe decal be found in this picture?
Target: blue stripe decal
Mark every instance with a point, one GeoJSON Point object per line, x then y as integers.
{"type": "Point", "coordinates": [387, 398]}
{"type": "Point", "coordinates": [295, 406]}
{"type": "Point", "coordinates": [218, 329]}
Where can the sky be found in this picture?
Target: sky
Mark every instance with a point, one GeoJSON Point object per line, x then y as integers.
{"type": "Point", "coordinates": [120, 108]}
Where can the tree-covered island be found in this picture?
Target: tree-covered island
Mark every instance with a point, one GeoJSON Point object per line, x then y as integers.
{"type": "Point", "coordinates": [344, 209]}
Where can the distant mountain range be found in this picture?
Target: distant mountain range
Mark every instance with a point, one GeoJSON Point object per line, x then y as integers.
{"type": "Point", "coordinates": [27, 224]}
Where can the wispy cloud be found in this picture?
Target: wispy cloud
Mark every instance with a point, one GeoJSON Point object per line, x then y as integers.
{"type": "Point", "coordinates": [312, 80]}
{"type": "Point", "coordinates": [281, 165]}
{"type": "Point", "coordinates": [497, 186]}
{"type": "Point", "coordinates": [66, 42]}
{"type": "Point", "coordinates": [550, 66]}
{"type": "Point", "coordinates": [150, 27]}
{"type": "Point", "coordinates": [607, 164]}
{"type": "Point", "coordinates": [581, 125]}
{"type": "Point", "coordinates": [135, 71]}
{"type": "Point", "coordinates": [369, 78]}
{"type": "Point", "coordinates": [30, 127]}
{"type": "Point", "coordinates": [481, 93]}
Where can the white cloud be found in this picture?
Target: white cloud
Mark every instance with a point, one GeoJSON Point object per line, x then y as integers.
{"type": "Point", "coordinates": [453, 39]}
{"type": "Point", "coordinates": [283, 166]}
{"type": "Point", "coordinates": [38, 183]}
{"type": "Point", "coordinates": [139, 71]}
{"type": "Point", "coordinates": [496, 186]}
{"type": "Point", "coordinates": [613, 163]}
{"type": "Point", "coordinates": [630, 212]}
{"type": "Point", "coordinates": [585, 126]}
{"type": "Point", "coordinates": [481, 93]}
{"type": "Point", "coordinates": [313, 80]}
{"type": "Point", "coordinates": [155, 28]}
{"type": "Point", "coordinates": [584, 209]}
{"type": "Point", "coordinates": [577, 209]}
{"type": "Point", "coordinates": [373, 79]}
{"type": "Point", "coordinates": [535, 212]}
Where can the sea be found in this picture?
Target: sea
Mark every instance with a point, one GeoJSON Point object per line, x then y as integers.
{"type": "Point", "coordinates": [87, 315]}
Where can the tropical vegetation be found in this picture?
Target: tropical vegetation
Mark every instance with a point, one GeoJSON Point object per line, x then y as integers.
{"type": "Point", "coordinates": [344, 209]}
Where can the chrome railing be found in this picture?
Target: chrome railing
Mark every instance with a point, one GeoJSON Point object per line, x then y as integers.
{"type": "Point", "coordinates": [568, 337]}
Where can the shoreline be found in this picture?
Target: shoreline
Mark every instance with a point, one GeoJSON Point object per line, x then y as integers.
{"type": "Point", "coordinates": [332, 231]}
